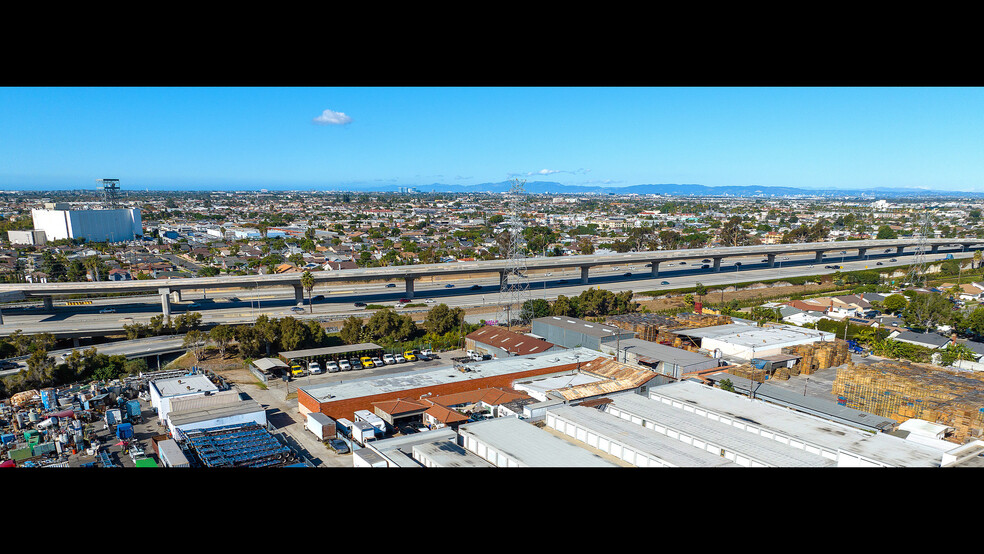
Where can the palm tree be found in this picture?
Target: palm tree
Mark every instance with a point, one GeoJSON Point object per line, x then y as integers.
{"type": "Point", "coordinates": [307, 281]}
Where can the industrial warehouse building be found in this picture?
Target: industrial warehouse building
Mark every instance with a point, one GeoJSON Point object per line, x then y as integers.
{"type": "Point", "coordinates": [500, 342]}
{"type": "Point", "coordinates": [32, 237]}
{"type": "Point", "coordinates": [164, 391]}
{"type": "Point", "coordinates": [670, 361]}
{"type": "Point", "coordinates": [571, 332]}
{"type": "Point", "coordinates": [745, 342]}
{"type": "Point", "coordinates": [512, 442]}
{"type": "Point", "coordinates": [91, 225]}
{"type": "Point", "coordinates": [342, 399]}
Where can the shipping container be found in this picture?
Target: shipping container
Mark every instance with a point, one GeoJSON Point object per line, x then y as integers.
{"type": "Point", "coordinates": [321, 425]}
{"type": "Point", "coordinates": [133, 409]}
{"type": "Point", "coordinates": [43, 449]}
{"type": "Point", "coordinates": [8, 438]}
{"type": "Point", "coordinates": [113, 417]}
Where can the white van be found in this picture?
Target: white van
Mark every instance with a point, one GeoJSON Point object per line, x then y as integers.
{"type": "Point", "coordinates": [314, 368]}
{"type": "Point", "coordinates": [344, 365]}
{"type": "Point", "coordinates": [332, 367]}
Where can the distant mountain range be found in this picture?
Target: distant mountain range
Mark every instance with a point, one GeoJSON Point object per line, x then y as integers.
{"type": "Point", "coordinates": [547, 187]}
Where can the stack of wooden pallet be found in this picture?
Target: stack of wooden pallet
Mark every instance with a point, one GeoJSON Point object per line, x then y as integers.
{"type": "Point", "coordinates": [819, 355]}
{"type": "Point", "coordinates": [748, 371]}
{"type": "Point", "coordinates": [903, 390]}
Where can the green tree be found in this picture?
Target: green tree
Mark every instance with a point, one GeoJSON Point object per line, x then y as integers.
{"type": "Point", "coordinates": [894, 303]}
{"type": "Point", "coordinates": [221, 335]}
{"type": "Point", "coordinates": [307, 281]}
{"type": "Point", "coordinates": [351, 331]}
{"type": "Point", "coordinates": [886, 232]}
{"type": "Point", "coordinates": [533, 309]}
{"type": "Point", "coordinates": [441, 319]}
{"type": "Point", "coordinates": [195, 341]}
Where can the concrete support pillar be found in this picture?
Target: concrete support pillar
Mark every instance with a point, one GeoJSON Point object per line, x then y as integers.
{"type": "Point", "coordinates": [862, 252]}
{"type": "Point", "coordinates": [772, 260]}
{"type": "Point", "coordinates": [655, 269]}
{"type": "Point", "coordinates": [165, 301]}
{"type": "Point", "coordinates": [819, 257]}
{"type": "Point", "coordinates": [409, 281]}
{"type": "Point", "coordinates": [176, 296]}
{"type": "Point", "coordinates": [49, 304]}
{"type": "Point", "coordinates": [717, 264]}
{"type": "Point", "coordinates": [934, 249]}
{"type": "Point", "coordinates": [899, 249]}
{"type": "Point", "coordinates": [584, 275]}
{"type": "Point", "coordinates": [1, 317]}
{"type": "Point", "coordinates": [502, 279]}
{"type": "Point", "coordinates": [75, 342]}
{"type": "Point", "coordinates": [298, 294]}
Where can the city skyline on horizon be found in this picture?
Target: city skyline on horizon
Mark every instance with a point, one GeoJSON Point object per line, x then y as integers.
{"type": "Point", "coordinates": [303, 138]}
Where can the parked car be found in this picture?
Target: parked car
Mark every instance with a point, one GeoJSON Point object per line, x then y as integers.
{"type": "Point", "coordinates": [377, 362]}
{"type": "Point", "coordinates": [356, 364]}
{"type": "Point", "coordinates": [296, 370]}
{"type": "Point", "coordinates": [367, 362]}
{"type": "Point", "coordinates": [314, 368]}
{"type": "Point", "coordinates": [400, 359]}
{"type": "Point", "coordinates": [339, 446]}
{"type": "Point", "coordinates": [344, 365]}
{"type": "Point", "coordinates": [425, 354]}
{"type": "Point", "coordinates": [388, 359]}
{"type": "Point", "coordinates": [409, 356]}
{"type": "Point", "coordinates": [333, 367]}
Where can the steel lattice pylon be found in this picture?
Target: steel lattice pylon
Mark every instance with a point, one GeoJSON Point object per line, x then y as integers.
{"type": "Point", "coordinates": [917, 270]}
{"type": "Point", "coordinates": [514, 286]}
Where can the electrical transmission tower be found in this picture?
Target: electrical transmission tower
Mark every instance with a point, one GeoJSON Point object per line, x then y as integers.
{"type": "Point", "coordinates": [917, 270]}
{"type": "Point", "coordinates": [111, 192]}
{"type": "Point", "coordinates": [514, 287]}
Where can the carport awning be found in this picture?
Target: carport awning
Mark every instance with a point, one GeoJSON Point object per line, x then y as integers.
{"type": "Point", "coordinates": [330, 350]}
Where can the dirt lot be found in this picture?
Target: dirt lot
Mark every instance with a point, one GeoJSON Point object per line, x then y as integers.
{"type": "Point", "coordinates": [716, 295]}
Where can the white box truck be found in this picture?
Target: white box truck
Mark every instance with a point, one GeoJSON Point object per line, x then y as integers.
{"type": "Point", "coordinates": [321, 425]}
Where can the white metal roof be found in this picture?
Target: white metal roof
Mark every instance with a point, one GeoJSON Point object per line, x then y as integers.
{"type": "Point", "coordinates": [530, 446]}
{"type": "Point", "coordinates": [187, 384]}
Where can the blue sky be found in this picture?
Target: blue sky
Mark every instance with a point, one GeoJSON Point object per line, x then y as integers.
{"type": "Point", "coordinates": [310, 137]}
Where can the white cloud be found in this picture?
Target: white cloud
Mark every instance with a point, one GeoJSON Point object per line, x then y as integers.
{"type": "Point", "coordinates": [552, 171]}
{"type": "Point", "coordinates": [329, 117]}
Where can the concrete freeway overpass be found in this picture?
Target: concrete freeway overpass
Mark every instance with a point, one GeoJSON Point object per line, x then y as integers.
{"type": "Point", "coordinates": [171, 288]}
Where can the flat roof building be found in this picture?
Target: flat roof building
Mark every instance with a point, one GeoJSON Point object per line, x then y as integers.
{"type": "Point", "coordinates": [512, 442]}
{"type": "Point", "coordinates": [571, 332]}
{"type": "Point", "coordinates": [670, 361]}
{"type": "Point", "coordinates": [747, 342]}
{"type": "Point", "coordinates": [342, 399]}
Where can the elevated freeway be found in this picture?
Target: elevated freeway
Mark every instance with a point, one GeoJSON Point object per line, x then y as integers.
{"type": "Point", "coordinates": [170, 289]}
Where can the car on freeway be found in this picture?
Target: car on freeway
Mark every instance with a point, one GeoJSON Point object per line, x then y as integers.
{"type": "Point", "coordinates": [297, 310]}
{"type": "Point", "coordinates": [887, 250]}
{"type": "Point", "coordinates": [737, 263]}
{"type": "Point", "coordinates": [319, 297]}
{"type": "Point", "coordinates": [665, 283]}
{"type": "Point", "coordinates": [404, 301]}
{"type": "Point", "coordinates": [627, 274]}
{"type": "Point", "coordinates": [389, 359]}
{"type": "Point", "coordinates": [449, 286]}
{"type": "Point", "coordinates": [108, 311]}
{"type": "Point", "coordinates": [683, 263]}
{"type": "Point", "coordinates": [429, 301]}
{"type": "Point", "coordinates": [390, 285]}
{"type": "Point", "coordinates": [344, 365]}
{"type": "Point", "coordinates": [764, 261]}
{"type": "Point", "coordinates": [332, 366]}
{"type": "Point", "coordinates": [339, 446]}
{"type": "Point", "coordinates": [360, 304]}
{"type": "Point", "coordinates": [835, 267]}
{"type": "Point", "coordinates": [706, 261]}
{"type": "Point", "coordinates": [878, 263]}
{"type": "Point", "coordinates": [476, 287]}
{"type": "Point", "coordinates": [194, 305]}
{"type": "Point", "coordinates": [705, 266]}
{"type": "Point", "coordinates": [893, 260]}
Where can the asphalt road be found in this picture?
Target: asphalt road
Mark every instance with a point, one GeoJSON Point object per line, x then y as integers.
{"type": "Point", "coordinates": [337, 303]}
